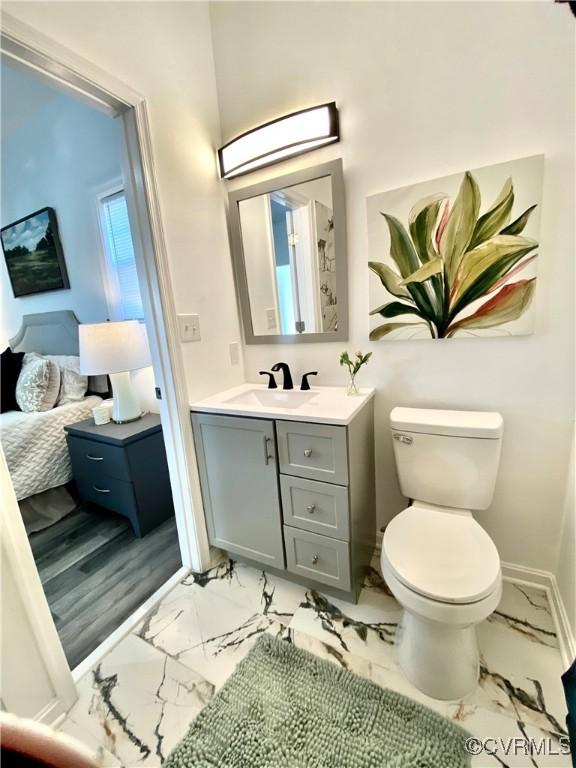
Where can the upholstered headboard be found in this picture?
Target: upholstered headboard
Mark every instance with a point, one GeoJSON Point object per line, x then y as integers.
{"type": "Point", "coordinates": [48, 333]}
{"type": "Point", "coordinates": [54, 333]}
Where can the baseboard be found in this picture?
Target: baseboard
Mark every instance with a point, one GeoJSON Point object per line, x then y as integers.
{"type": "Point", "coordinates": [52, 714]}
{"type": "Point", "coordinates": [127, 625]}
{"type": "Point", "coordinates": [532, 577]}
{"type": "Point", "coordinates": [524, 575]}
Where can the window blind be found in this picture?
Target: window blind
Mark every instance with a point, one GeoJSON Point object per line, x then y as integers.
{"type": "Point", "coordinates": [121, 252]}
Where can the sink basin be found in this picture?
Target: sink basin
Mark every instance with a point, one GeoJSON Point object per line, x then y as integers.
{"type": "Point", "coordinates": [272, 398]}
{"type": "Point", "coordinates": [320, 405]}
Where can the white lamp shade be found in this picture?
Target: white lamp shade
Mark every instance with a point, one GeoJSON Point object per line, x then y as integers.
{"type": "Point", "coordinates": [113, 347]}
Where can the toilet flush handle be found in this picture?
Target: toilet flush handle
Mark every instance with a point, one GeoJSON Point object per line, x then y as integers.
{"type": "Point", "coordinates": [406, 439]}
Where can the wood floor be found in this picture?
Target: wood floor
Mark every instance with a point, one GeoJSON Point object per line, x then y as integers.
{"type": "Point", "coordinates": [95, 573]}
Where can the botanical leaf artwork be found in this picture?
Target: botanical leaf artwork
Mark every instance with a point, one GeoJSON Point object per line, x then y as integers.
{"type": "Point", "coordinates": [457, 262]}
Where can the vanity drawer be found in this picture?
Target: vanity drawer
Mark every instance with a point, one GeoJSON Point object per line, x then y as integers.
{"type": "Point", "coordinates": [314, 506]}
{"type": "Point", "coordinates": [317, 557]}
{"type": "Point", "coordinates": [316, 451]}
{"type": "Point", "coordinates": [94, 459]}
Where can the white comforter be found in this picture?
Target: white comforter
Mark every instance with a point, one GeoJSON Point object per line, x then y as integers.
{"type": "Point", "coordinates": [35, 445]}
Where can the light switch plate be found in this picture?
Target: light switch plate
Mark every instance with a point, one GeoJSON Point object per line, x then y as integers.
{"type": "Point", "coordinates": [234, 353]}
{"type": "Point", "coordinates": [271, 319]}
{"type": "Point", "coordinates": [189, 326]}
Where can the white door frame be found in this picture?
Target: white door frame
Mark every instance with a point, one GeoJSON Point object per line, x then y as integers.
{"type": "Point", "coordinates": [38, 619]}
{"type": "Point", "coordinates": [26, 46]}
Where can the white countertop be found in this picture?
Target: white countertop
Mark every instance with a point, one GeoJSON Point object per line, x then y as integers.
{"type": "Point", "coordinates": [327, 405]}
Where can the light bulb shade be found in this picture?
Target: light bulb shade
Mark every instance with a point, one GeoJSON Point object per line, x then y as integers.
{"type": "Point", "coordinates": [113, 347]}
{"type": "Point", "coordinates": [280, 139]}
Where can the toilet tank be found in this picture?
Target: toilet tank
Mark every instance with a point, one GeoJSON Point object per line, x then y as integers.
{"type": "Point", "coordinates": [447, 457]}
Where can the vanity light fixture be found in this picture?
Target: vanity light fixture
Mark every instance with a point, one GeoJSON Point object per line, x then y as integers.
{"type": "Point", "coordinates": [280, 139]}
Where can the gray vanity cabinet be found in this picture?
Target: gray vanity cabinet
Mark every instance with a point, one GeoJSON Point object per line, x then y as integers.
{"type": "Point", "coordinates": [294, 496]}
{"type": "Point", "coordinates": [239, 476]}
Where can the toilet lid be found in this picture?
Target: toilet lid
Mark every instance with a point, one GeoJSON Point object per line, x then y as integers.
{"type": "Point", "coordinates": [446, 556]}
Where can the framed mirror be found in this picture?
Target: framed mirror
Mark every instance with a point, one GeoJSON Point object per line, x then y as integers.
{"type": "Point", "coordinates": [288, 238]}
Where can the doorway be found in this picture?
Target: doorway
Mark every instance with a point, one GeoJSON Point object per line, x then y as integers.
{"type": "Point", "coordinates": [129, 109]}
{"type": "Point", "coordinates": [99, 553]}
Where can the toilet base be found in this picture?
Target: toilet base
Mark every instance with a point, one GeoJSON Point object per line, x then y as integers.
{"type": "Point", "coordinates": [441, 660]}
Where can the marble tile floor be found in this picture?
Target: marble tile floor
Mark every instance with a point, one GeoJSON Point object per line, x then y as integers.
{"type": "Point", "coordinates": [136, 704]}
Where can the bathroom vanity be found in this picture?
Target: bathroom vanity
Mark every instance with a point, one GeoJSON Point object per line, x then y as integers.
{"type": "Point", "coordinates": [288, 481]}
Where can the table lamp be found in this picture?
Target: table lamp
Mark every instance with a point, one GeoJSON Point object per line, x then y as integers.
{"type": "Point", "coordinates": [115, 349]}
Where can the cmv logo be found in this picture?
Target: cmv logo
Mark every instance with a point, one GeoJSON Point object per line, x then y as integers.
{"type": "Point", "coordinates": [517, 745]}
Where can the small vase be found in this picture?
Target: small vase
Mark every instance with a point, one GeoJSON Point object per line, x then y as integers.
{"type": "Point", "coordinates": [352, 388]}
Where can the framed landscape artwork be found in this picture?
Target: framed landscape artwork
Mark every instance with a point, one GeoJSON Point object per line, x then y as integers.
{"type": "Point", "coordinates": [34, 255]}
{"type": "Point", "coordinates": [456, 257]}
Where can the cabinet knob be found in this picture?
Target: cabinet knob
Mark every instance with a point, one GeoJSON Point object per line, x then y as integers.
{"type": "Point", "coordinates": [314, 559]}
{"type": "Point", "coordinates": [311, 508]}
{"type": "Point", "coordinates": [307, 452]}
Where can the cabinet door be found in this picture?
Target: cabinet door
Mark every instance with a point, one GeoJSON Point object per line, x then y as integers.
{"type": "Point", "coordinates": [239, 477]}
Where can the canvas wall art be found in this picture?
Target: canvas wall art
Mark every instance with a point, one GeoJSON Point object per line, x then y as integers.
{"type": "Point", "coordinates": [457, 256]}
{"type": "Point", "coordinates": [34, 255]}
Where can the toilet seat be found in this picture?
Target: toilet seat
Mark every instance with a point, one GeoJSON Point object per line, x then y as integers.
{"type": "Point", "coordinates": [443, 555]}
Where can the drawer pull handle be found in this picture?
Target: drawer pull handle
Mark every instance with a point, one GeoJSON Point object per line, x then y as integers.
{"type": "Point", "coordinates": [94, 458]}
{"type": "Point", "coordinates": [311, 508]}
{"type": "Point", "coordinates": [101, 490]}
{"type": "Point", "coordinates": [307, 452]}
{"type": "Point", "coordinates": [315, 560]}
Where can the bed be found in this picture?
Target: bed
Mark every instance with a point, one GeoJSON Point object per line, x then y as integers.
{"type": "Point", "coordinates": [35, 443]}
{"type": "Point", "coordinates": [35, 446]}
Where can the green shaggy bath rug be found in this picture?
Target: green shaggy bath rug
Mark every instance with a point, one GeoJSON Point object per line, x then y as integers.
{"type": "Point", "coordinates": [285, 708]}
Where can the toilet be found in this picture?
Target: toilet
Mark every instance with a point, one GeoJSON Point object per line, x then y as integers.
{"type": "Point", "coordinates": [439, 563]}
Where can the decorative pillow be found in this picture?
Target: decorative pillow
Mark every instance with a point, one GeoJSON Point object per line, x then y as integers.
{"type": "Point", "coordinates": [10, 367]}
{"type": "Point", "coordinates": [73, 384]}
{"type": "Point", "coordinates": [73, 387]}
{"type": "Point", "coordinates": [38, 385]}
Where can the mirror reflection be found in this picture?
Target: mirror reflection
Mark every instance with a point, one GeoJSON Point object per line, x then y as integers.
{"type": "Point", "coordinates": [289, 257]}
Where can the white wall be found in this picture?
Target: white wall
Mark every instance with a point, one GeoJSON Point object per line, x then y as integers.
{"type": "Point", "coordinates": [26, 688]}
{"type": "Point", "coordinates": [164, 51]}
{"type": "Point", "coordinates": [425, 90]}
{"type": "Point", "coordinates": [34, 678]}
{"type": "Point", "coordinates": [257, 239]}
{"type": "Point", "coordinates": [60, 154]}
{"type": "Point", "coordinates": [566, 568]}
{"type": "Point", "coordinates": [317, 189]}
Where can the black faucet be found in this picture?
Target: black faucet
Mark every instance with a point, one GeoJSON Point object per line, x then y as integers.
{"type": "Point", "coordinates": [271, 381]}
{"type": "Point", "coordinates": [305, 383]}
{"type": "Point", "coordinates": [287, 375]}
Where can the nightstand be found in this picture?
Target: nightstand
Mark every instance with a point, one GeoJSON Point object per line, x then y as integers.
{"type": "Point", "coordinates": [123, 468]}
